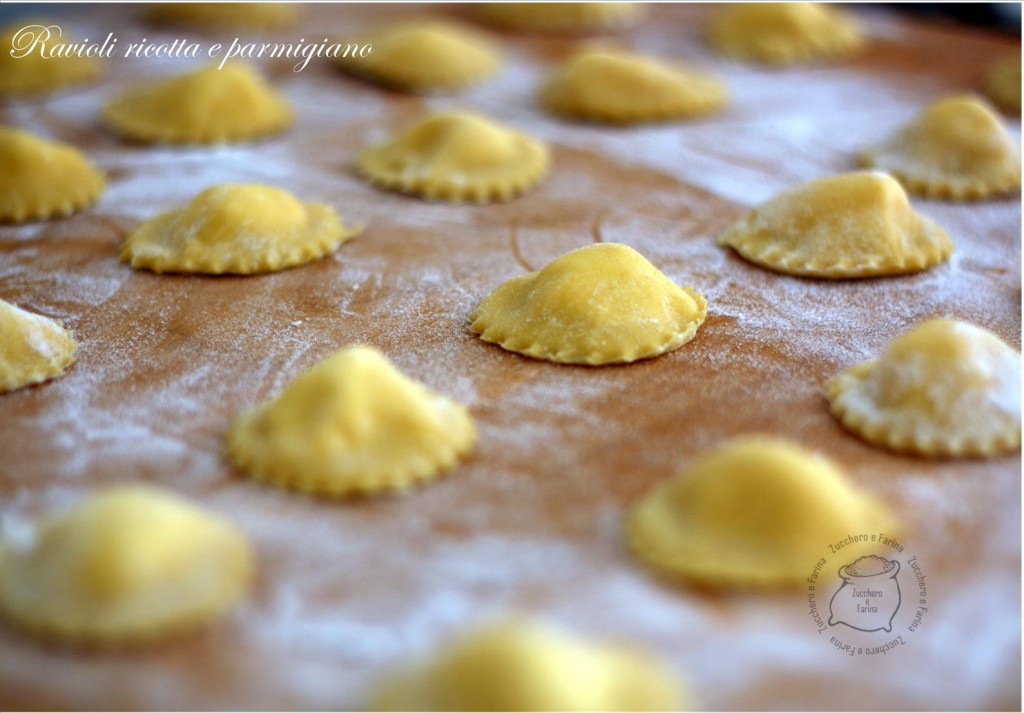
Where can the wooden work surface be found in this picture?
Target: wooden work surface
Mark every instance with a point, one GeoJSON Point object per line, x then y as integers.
{"type": "Point", "coordinates": [529, 523]}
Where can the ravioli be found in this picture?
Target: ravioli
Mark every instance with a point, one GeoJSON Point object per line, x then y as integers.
{"type": "Point", "coordinates": [600, 304]}
{"type": "Point", "coordinates": [524, 666]}
{"type": "Point", "coordinates": [239, 229]}
{"type": "Point", "coordinates": [128, 564]}
{"type": "Point", "coordinates": [31, 73]}
{"type": "Point", "coordinates": [562, 17]}
{"type": "Point", "coordinates": [945, 388]}
{"type": "Point", "coordinates": [426, 57]}
{"type": "Point", "coordinates": [457, 157]}
{"type": "Point", "coordinates": [756, 512]}
{"type": "Point", "coordinates": [352, 424]}
{"type": "Point", "coordinates": [226, 15]}
{"type": "Point", "coordinates": [621, 87]}
{"type": "Point", "coordinates": [957, 148]}
{"type": "Point", "coordinates": [33, 348]}
{"type": "Point", "coordinates": [207, 106]}
{"type": "Point", "coordinates": [783, 33]}
{"type": "Point", "coordinates": [42, 179]}
{"type": "Point", "coordinates": [858, 224]}
{"type": "Point", "coordinates": [1003, 84]}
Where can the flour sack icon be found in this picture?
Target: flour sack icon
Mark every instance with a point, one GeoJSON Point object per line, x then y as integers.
{"type": "Point", "coordinates": [869, 596]}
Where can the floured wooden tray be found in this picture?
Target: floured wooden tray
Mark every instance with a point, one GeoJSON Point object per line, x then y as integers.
{"type": "Point", "coordinates": [530, 523]}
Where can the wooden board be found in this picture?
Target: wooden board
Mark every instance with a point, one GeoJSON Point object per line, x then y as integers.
{"type": "Point", "coordinates": [530, 523]}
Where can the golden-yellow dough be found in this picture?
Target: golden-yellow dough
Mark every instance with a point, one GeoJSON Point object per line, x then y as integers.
{"type": "Point", "coordinates": [601, 304]}
{"type": "Point", "coordinates": [1003, 84]}
{"type": "Point", "coordinates": [207, 106]}
{"type": "Point", "coordinates": [523, 666]}
{"type": "Point", "coordinates": [26, 72]}
{"type": "Point", "coordinates": [225, 15]}
{"type": "Point", "coordinates": [853, 225]}
{"type": "Point", "coordinates": [562, 17]}
{"type": "Point", "coordinates": [236, 228]}
{"type": "Point", "coordinates": [945, 388]}
{"type": "Point", "coordinates": [33, 348]}
{"type": "Point", "coordinates": [425, 57]}
{"type": "Point", "coordinates": [457, 157]}
{"type": "Point", "coordinates": [783, 33]}
{"type": "Point", "coordinates": [128, 564]}
{"type": "Point", "coordinates": [617, 86]}
{"type": "Point", "coordinates": [42, 179]}
{"type": "Point", "coordinates": [957, 148]}
{"type": "Point", "coordinates": [351, 424]}
{"type": "Point", "coordinates": [754, 512]}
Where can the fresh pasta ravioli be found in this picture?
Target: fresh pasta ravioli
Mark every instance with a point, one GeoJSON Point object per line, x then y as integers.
{"type": "Point", "coordinates": [600, 304]}
{"type": "Point", "coordinates": [1003, 84]}
{"type": "Point", "coordinates": [853, 225]}
{"type": "Point", "coordinates": [519, 665]}
{"type": "Point", "coordinates": [351, 424]}
{"type": "Point", "coordinates": [33, 348]}
{"type": "Point", "coordinates": [239, 229]}
{"type": "Point", "coordinates": [457, 157]}
{"type": "Point", "coordinates": [617, 86]}
{"type": "Point", "coordinates": [42, 179]}
{"type": "Point", "coordinates": [783, 33]}
{"type": "Point", "coordinates": [206, 106]}
{"type": "Point", "coordinates": [425, 57]}
{"type": "Point", "coordinates": [23, 72]}
{"type": "Point", "coordinates": [756, 512]}
{"type": "Point", "coordinates": [945, 388]}
{"type": "Point", "coordinates": [226, 15]}
{"type": "Point", "coordinates": [562, 17]}
{"type": "Point", "coordinates": [128, 564]}
{"type": "Point", "coordinates": [957, 148]}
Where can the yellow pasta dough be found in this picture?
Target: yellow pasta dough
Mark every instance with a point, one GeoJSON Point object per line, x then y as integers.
{"type": "Point", "coordinates": [33, 348]}
{"type": "Point", "coordinates": [945, 388]}
{"type": "Point", "coordinates": [853, 225]}
{"type": "Point", "coordinates": [352, 424]}
{"type": "Point", "coordinates": [523, 666]}
{"type": "Point", "coordinates": [1003, 84]}
{"type": "Point", "coordinates": [457, 157]}
{"type": "Point", "coordinates": [754, 512]}
{"type": "Point", "coordinates": [130, 563]}
{"type": "Point", "coordinates": [24, 72]}
{"type": "Point", "coordinates": [601, 304]}
{"type": "Point", "coordinates": [782, 33]}
{"type": "Point", "coordinates": [425, 57]}
{"type": "Point", "coordinates": [616, 86]}
{"type": "Point", "coordinates": [207, 106]}
{"type": "Point", "coordinates": [236, 228]}
{"type": "Point", "coordinates": [226, 15]}
{"type": "Point", "coordinates": [42, 179]}
{"type": "Point", "coordinates": [562, 17]}
{"type": "Point", "coordinates": [956, 148]}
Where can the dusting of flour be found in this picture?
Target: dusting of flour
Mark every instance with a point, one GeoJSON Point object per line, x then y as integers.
{"type": "Point", "coordinates": [530, 522]}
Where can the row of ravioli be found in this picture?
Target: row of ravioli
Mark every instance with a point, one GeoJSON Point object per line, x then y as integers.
{"type": "Point", "coordinates": [891, 401]}
{"type": "Point", "coordinates": [606, 304]}
{"type": "Point", "coordinates": [431, 56]}
{"type": "Point", "coordinates": [956, 148]}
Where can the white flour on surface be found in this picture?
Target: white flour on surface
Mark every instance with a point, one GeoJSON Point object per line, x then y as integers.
{"type": "Point", "coordinates": [530, 522]}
